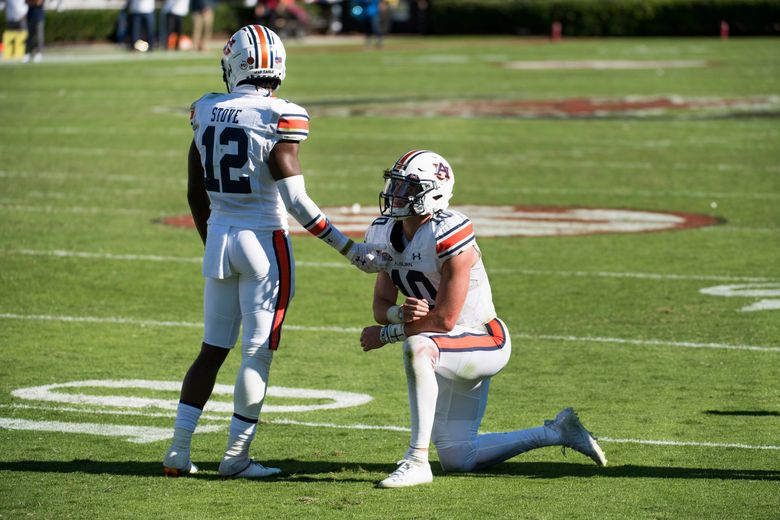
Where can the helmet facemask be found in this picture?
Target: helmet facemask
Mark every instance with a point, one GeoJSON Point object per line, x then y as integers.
{"type": "Point", "coordinates": [419, 183]}
{"type": "Point", "coordinates": [404, 195]}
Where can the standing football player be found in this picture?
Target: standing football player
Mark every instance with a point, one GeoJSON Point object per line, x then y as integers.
{"type": "Point", "coordinates": [244, 178]}
{"type": "Point", "coordinates": [453, 343]}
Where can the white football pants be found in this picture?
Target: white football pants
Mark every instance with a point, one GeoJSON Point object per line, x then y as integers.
{"type": "Point", "coordinates": [257, 293]}
{"type": "Point", "coordinates": [448, 396]}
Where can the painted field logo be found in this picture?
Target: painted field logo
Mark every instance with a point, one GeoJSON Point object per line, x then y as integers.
{"type": "Point", "coordinates": [522, 221]}
{"type": "Point", "coordinates": [82, 397]}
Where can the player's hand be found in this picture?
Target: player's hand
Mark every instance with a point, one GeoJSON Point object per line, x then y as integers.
{"type": "Point", "coordinates": [369, 258]}
{"type": "Point", "coordinates": [414, 309]}
{"type": "Point", "coordinates": [369, 338]}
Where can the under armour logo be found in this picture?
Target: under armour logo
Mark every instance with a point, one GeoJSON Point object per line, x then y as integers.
{"type": "Point", "coordinates": [416, 256]}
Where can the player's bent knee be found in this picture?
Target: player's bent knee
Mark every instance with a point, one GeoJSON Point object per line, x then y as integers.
{"type": "Point", "coordinates": [457, 458]}
{"type": "Point", "coordinates": [419, 348]}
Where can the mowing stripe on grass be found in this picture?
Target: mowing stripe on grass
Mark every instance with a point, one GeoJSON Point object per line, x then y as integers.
{"type": "Point", "coordinates": [355, 330]}
{"type": "Point", "coordinates": [154, 433]}
{"type": "Point", "coordinates": [344, 265]}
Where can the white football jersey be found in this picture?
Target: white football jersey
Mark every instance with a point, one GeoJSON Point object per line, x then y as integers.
{"type": "Point", "coordinates": [416, 266]}
{"type": "Point", "coordinates": [234, 133]}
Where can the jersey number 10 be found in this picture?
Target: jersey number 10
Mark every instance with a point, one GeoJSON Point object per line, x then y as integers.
{"type": "Point", "coordinates": [236, 160]}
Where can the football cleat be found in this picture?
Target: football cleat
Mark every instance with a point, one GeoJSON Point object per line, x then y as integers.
{"type": "Point", "coordinates": [178, 463]}
{"type": "Point", "coordinates": [575, 436]}
{"type": "Point", "coordinates": [408, 473]}
{"type": "Point", "coordinates": [227, 469]}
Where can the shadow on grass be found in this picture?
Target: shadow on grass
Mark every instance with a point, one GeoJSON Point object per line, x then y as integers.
{"type": "Point", "coordinates": [324, 471]}
{"type": "Point", "coordinates": [561, 469]}
{"type": "Point", "coordinates": [742, 413]}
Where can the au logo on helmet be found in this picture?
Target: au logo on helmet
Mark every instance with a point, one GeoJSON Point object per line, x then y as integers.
{"type": "Point", "coordinates": [442, 171]}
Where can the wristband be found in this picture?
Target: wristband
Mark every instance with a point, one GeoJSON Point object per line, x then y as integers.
{"type": "Point", "coordinates": [395, 314]}
{"type": "Point", "coordinates": [392, 333]}
{"type": "Point", "coordinates": [344, 250]}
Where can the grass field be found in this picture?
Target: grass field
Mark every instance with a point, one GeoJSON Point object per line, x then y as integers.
{"type": "Point", "coordinates": [683, 386]}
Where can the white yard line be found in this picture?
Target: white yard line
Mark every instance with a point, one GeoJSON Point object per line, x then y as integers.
{"type": "Point", "coordinates": [344, 265]}
{"type": "Point", "coordinates": [652, 342]}
{"type": "Point", "coordinates": [153, 434]}
{"type": "Point", "coordinates": [355, 330]}
{"type": "Point", "coordinates": [691, 443]}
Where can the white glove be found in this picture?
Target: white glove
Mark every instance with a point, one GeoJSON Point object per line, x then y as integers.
{"type": "Point", "coordinates": [369, 258]}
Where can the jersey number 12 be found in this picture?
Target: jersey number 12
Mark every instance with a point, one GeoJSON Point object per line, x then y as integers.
{"type": "Point", "coordinates": [236, 160]}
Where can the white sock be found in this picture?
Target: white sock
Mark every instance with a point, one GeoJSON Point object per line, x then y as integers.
{"type": "Point", "coordinates": [187, 417]}
{"type": "Point", "coordinates": [493, 448]}
{"type": "Point", "coordinates": [423, 391]}
{"type": "Point", "coordinates": [240, 436]}
{"type": "Point", "coordinates": [416, 454]}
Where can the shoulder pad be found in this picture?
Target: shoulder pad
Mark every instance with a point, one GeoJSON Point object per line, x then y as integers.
{"type": "Point", "coordinates": [377, 231]}
{"type": "Point", "coordinates": [453, 231]}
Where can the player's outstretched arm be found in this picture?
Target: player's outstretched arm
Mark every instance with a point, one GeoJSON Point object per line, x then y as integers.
{"type": "Point", "coordinates": [286, 171]}
{"type": "Point", "coordinates": [197, 197]}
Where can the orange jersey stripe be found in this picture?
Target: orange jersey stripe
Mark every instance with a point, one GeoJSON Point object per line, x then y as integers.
{"type": "Point", "coordinates": [293, 124]}
{"type": "Point", "coordinates": [318, 227]}
{"type": "Point", "coordinates": [456, 237]}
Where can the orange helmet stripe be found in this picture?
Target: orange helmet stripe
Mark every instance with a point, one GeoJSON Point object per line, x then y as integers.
{"type": "Point", "coordinates": [263, 59]}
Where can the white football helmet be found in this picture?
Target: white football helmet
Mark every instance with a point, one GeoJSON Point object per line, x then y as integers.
{"type": "Point", "coordinates": [419, 183]}
{"type": "Point", "coordinates": [253, 52]}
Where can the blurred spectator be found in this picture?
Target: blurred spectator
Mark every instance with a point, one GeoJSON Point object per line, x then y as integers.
{"type": "Point", "coordinates": [202, 22]}
{"type": "Point", "coordinates": [142, 14]}
{"type": "Point", "coordinates": [423, 6]}
{"type": "Point", "coordinates": [16, 15]}
{"type": "Point", "coordinates": [122, 24]}
{"type": "Point", "coordinates": [174, 11]}
{"type": "Point", "coordinates": [372, 19]}
{"type": "Point", "coordinates": [330, 12]}
{"type": "Point", "coordinates": [265, 12]}
{"type": "Point", "coordinates": [292, 20]}
{"type": "Point", "coordinates": [35, 25]}
{"type": "Point", "coordinates": [15, 33]}
{"type": "Point", "coordinates": [386, 15]}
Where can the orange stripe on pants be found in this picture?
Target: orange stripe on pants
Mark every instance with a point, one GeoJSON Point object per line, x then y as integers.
{"type": "Point", "coordinates": [493, 340]}
{"type": "Point", "coordinates": [282, 250]}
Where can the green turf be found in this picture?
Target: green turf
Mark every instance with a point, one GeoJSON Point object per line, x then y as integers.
{"type": "Point", "coordinates": [94, 153]}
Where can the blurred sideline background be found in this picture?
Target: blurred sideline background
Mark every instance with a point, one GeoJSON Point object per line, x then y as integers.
{"type": "Point", "coordinates": [150, 25]}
